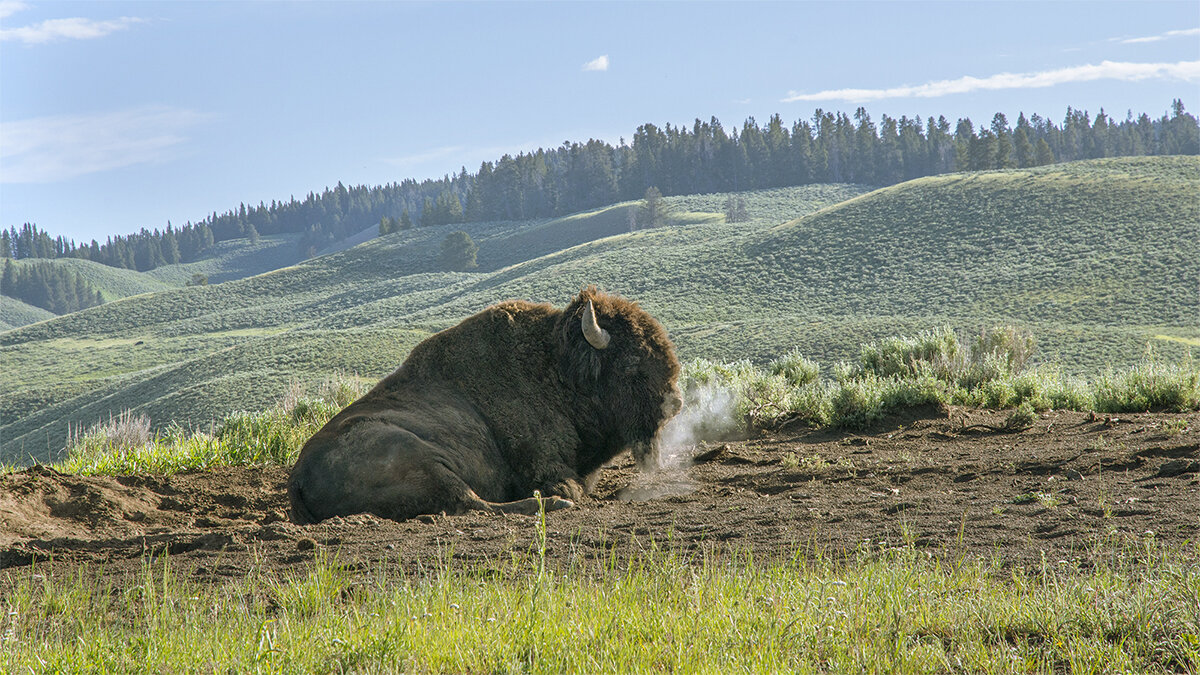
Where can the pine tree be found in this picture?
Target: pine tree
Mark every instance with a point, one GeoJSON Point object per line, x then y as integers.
{"type": "Point", "coordinates": [735, 209]}
{"type": "Point", "coordinates": [458, 252]}
{"type": "Point", "coordinates": [170, 247]}
{"type": "Point", "coordinates": [653, 209]}
{"type": "Point", "coordinates": [1004, 144]}
{"type": "Point", "coordinates": [1043, 154]}
{"type": "Point", "coordinates": [428, 213]}
{"type": "Point", "coordinates": [1023, 148]}
{"type": "Point", "coordinates": [8, 280]}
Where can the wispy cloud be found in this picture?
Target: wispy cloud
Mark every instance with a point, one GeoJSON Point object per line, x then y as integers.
{"type": "Point", "coordinates": [53, 30]}
{"type": "Point", "coordinates": [599, 63]}
{"type": "Point", "coordinates": [10, 7]}
{"type": "Point", "coordinates": [1188, 71]}
{"type": "Point", "coordinates": [1162, 36]}
{"type": "Point", "coordinates": [418, 158]}
{"type": "Point", "coordinates": [52, 149]}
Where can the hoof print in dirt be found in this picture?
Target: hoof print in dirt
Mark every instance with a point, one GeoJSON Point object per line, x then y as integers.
{"type": "Point", "coordinates": [1177, 467]}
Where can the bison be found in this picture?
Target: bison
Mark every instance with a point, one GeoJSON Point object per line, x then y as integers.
{"type": "Point", "coordinates": [521, 397]}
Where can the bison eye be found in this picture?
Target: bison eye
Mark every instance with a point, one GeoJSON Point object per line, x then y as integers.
{"type": "Point", "coordinates": [631, 363]}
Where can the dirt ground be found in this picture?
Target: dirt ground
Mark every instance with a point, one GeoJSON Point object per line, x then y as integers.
{"type": "Point", "coordinates": [949, 481]}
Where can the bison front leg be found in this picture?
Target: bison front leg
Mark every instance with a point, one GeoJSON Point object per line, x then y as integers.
{"type": "Point", "coordinates": [527, 507]}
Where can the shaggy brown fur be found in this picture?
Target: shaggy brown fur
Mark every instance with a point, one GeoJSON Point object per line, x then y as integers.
{"type": "Point", "coordinates": [479, 416]}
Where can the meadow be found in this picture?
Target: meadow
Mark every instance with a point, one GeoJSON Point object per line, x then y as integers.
{"type": "Point", "coordinates": [901, 611]}
{"type": "Point", "coordinates": [1091, 259]}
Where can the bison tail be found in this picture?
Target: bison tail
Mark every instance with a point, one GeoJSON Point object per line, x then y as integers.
{"type": "Point", "coordinates": [299, 512]}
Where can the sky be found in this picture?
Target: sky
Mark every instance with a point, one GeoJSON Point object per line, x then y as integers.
{"type": "Point", "coordinates": [118, 116]}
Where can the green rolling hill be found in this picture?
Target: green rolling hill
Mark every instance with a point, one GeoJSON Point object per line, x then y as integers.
{"type": "Point", "coordinates": [112, 282]}
{"type": "Point", "coordinates": [1094, 258]}
{"type": "Point", "coordinates": [234, 259]}
{"type": "Point", "coordinates": [14, 313]}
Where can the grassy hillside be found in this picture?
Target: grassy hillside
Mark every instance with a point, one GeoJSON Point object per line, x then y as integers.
{"type": "Point", "coordinates": [234, 259]}
{"type": "Point", "coordinates": [15, 313]}
{"type": "Point", "coordinates": [112, 282]}
{"type": "Point", "coordinates": [1095, 259]}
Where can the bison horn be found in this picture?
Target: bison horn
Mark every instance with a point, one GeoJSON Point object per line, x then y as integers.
{"type": "Point", "coordinates": [596, 336]}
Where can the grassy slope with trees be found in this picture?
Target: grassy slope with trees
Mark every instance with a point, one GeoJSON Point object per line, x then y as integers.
{"type": "Point", "coordinates": [1090, 257]}
{"type": "Point", "coordinates": [112, 282]}
{"type": "Point", "coordinates": [14, 313]}
{"type": "Point", "coordinates": [575, 177]}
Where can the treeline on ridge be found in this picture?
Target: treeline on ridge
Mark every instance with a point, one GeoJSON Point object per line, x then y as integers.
{"type": "Point", "coordinates": [829, 148]}
{"type": "Point", "coordinates": [50, 287]}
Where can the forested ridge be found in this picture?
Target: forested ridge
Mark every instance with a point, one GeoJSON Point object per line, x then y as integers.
{"type": "Point", "coordinates": [828, 148]}
{"type": "Point", "coordinates": [52, 288]}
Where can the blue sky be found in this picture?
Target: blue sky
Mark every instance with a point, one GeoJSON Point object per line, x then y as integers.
{"type": "Point", "coordinates": [120, 115]}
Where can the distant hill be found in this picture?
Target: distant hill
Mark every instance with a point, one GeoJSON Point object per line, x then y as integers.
{"type": "Point", "coordinates": [234, 259]}
{"type": "Point", "coordinates": [1094, 258]}
{"type": "Point", "coordinates": [112, 282]}
{"type": "Point", "coordinates": [14, 313]}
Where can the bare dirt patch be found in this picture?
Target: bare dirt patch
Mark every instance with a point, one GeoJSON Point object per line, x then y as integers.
{"type": "Point", "coordinates": [948, 481]}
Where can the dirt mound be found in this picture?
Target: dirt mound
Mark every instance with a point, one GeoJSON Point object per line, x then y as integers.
{"type": "Point", "coordinates": [957, 482]}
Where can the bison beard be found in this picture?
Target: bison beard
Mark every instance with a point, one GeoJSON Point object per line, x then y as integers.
{"type": "Point", "coordinates": [518, 398]}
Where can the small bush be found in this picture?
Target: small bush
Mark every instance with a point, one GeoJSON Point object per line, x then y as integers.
{"type": "Point", "coordinates": [1150, 385]}
{"type": "Point", "coordinates": [937, 351]}
{"type": "Point", "coordinates": [793, 367]}
{"type": "Point", "coordinates": [1022, 417]}
{"type": "Point", "coordinates": [1006, 344]}
{"type": "Point", "coordinates": [995, 354]}
{"type": "Point", "coordinates": [124, 432]}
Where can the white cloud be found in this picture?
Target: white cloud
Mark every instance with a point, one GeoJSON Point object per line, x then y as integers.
{"type": "Point", "coordinates": [10, 7]}
{"type": "Point", "coordinates": [1188, 71]}
{"type": "Point", "coordinates": [76, 28]}
{"type": "Point", "coordinates": [52, 149]}
{"type": "Point", "coordinates": [599, 63]}
{"type": "Point", "coordinates": [1155, 38]}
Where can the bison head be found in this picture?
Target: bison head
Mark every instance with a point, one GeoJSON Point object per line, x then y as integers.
{"type": "Point", "coordinates": [622, 368]}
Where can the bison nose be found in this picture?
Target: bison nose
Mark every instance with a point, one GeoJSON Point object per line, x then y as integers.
{"type": "Point", "coordinates": [674, 403]}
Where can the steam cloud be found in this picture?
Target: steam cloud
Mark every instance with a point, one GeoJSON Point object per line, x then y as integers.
{"type": "Point", "coordinates": [707, 415]}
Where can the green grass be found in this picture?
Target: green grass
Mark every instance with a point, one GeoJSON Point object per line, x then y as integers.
{"type": "Point", "coordinates": [896, 611]}
{"type": "Point", "coordinates": [14, 313]}
{"type": "Point", "coordinates": [1093, 259]}
{"type": "Point", "coordinates": [234, 259]}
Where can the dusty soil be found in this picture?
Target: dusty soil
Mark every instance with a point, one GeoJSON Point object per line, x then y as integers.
{"type": "Point", "coordinates": [1073, 486]}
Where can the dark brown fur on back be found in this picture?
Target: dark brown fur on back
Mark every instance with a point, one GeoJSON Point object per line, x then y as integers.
{"type": "Point", "coordinates": [512, 400]}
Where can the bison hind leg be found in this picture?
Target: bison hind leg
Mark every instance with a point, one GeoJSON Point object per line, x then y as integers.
{"type": "Point", "coordinates": [526, 507]}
